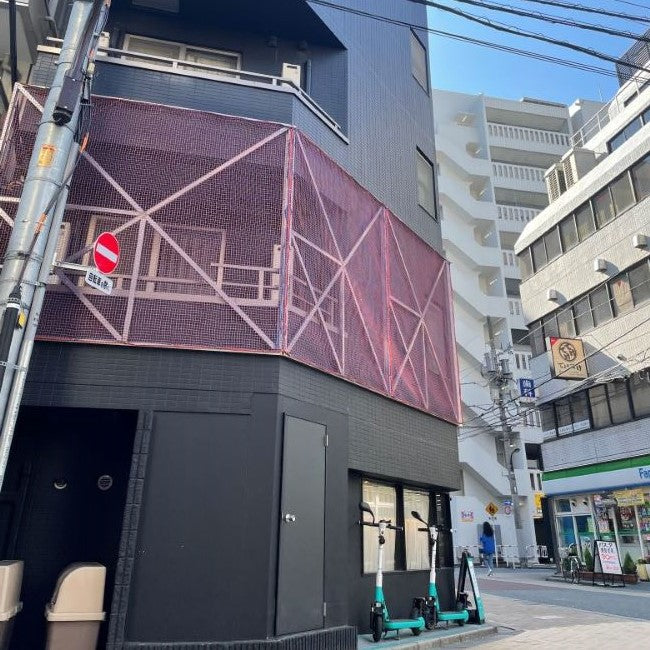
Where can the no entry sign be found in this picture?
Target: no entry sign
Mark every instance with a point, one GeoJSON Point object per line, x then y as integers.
{"type": "Point", "coordinates": [106, 252]}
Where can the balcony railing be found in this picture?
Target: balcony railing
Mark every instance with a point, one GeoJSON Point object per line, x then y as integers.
{"type": "Point", "coordinates": [189, 68]}
{"type": "Point", "coordinates": [518, 172]}
{"type": "Point", "coordinates": [516, 213]}
{"type": "Point", "coordinates": [523, 134]}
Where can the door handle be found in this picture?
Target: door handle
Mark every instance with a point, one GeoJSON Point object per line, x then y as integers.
{"type": "Point", "coordinates": [289, 518]}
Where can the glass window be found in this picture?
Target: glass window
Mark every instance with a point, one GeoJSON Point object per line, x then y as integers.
{"type": "Point", "coordinates": [603, 207]}
{"type": "Point", "coordinates": [625, 134]}
{"type": "Point", "coordinates": [569, 233]}
{"type": "Point", "coordinates": [640, 389]}
{"type": "Point", "coordinates": [616, 141]}
{"type": "Point", "coordinates": [536, 338]}
{"type": "Point", "coordinates": [552, 241]}
{"type": "Point", "coordinates": [563, 412]}
{"type": "Point", "coordinates": [641, 178]}
{"type": "Point", "coordinates": [582, 314]}
{"type": "Point", "coordinates": [419, 62]}
{"type": "Point", "coordinates": [619, 402]}
{"type": "Point", "coordinates": [622, 193]}
{"type": "Point", "coordinates": [565, 324]}
{"type": "Point", "coordinates": [580, 412]}
{"type": "Point", "coordinates": [548, 418]}
{"type": "Point", "coordinates": [599, 407]}
{"type": "Point", "coordinates": [383, 501]}
{"type": "Point", "coordinates": [640, 283]}
{"type": "Point", "coordinates": [417, 543]}
{"type": "Point", "coordinates": [550, 326]}
{"type": "Point", "coordinates": [426, 193]}
{"type": "Point", "coordinates": [601, 307]}
{"type": "Point", "coordinates": [621, 295]}
{"type": "Point", "coordinates": [539, 254]}
{"type": "Point", "coordinates": [563, 505]}
{"type": "Point", "coordinates": [525, 264]}
{"type": "Point", "coordinates": [153, 47]}
{"type": "Point", "coordinates": [584, 221]}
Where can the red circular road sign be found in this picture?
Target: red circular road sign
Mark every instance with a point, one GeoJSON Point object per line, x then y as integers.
{"type": "Point", "coordinates": [106, 252]}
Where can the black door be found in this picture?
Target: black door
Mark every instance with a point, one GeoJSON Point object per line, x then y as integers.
{"type": "Point", "coordinates": [63, 501]}
{"type": "Point", "coordinates": [302, 528]}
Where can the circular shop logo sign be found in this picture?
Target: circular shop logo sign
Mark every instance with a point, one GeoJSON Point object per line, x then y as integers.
{"type": "Point", "coordinates": [567, 351]}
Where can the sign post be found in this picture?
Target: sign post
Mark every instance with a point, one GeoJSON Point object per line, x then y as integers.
{"type": "Point", "coordinates": [606, 552]}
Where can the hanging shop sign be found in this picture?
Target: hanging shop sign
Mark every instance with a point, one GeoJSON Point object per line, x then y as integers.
{"type": "Point", "coordinates": [568, 358]}
{"type": "Point", "coordinates": [629, 498]}
{"type": "Point", "coordinates": [538, 505]}
{"type": "Point", "coordinates": [526, 390]}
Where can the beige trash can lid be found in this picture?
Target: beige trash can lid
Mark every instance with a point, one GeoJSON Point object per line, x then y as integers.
{"type": "Point", "coordinates": [11, 578]}
{"type": "Point", "coordinates": [79, 594]}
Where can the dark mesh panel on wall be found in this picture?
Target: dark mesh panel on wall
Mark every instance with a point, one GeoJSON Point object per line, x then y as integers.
{"type": "Point", "coordinates": [241, 235]}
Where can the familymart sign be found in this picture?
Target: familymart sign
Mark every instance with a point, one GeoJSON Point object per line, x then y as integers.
{"type": "Point", "coordinates": [629, 472]}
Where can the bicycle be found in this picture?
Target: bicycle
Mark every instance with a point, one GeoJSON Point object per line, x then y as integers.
{"type": "Point", "coordinates": [571, 567]}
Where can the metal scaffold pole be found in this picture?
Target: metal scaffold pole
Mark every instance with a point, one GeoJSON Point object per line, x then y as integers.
{"type": "Point", "coordinates": [30, 252]}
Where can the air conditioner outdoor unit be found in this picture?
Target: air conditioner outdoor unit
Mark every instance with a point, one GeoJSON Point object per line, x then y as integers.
{"type": "Point", "coordinates": [577, 163]}
{"type": "Point", "coordinates": [555, 182]}
{"type": "Point", "coordinates": [292, 72]}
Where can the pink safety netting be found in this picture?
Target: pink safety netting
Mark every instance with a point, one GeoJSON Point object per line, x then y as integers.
{"type": "Point", "coordinates": [240, 235]}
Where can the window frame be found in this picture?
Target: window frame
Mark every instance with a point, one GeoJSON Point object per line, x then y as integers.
{"type": "Point", "coordinates": [416, 39]}
{"type": "Point", "coordinates": [420, 156]}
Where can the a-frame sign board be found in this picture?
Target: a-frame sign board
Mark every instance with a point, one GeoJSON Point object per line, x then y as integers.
{"type": "Point", "coordinates": [606, 554]}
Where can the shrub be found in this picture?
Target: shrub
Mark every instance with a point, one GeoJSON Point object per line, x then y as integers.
{"type": "Point", "coordinates": [589, 560]}
{"type": "Point", "coordinates": [629, 566]}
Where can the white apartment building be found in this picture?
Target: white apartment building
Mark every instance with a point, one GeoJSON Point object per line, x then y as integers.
{"type": "Point", "coordinates": [491, 158]}
{"type": "Point", "coordinates": [585, 261]}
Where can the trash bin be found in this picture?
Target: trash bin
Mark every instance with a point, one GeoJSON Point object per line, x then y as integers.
{"type": "Point", "coordinates": [75, 612]}
{"type": "Point", "coordinates": [11, 578]}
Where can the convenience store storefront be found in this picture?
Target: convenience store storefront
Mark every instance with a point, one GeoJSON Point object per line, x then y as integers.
{"type": "Point", "coordinates": [608, 501]}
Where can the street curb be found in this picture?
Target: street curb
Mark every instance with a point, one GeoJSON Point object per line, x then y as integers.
{"type": "Point", "coordinates": [471, 634]}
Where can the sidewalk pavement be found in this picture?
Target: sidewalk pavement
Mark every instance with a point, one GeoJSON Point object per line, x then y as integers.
{"type": "Point", "coordinates": [438, 638]}
{"type": "Point", "coordinates": [531, 625]}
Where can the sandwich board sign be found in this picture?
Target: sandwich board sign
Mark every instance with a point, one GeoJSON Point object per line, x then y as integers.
{"type": "Point", "coordinates": [606, 554]}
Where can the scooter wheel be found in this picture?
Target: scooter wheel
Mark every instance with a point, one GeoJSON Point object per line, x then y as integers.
{"type": "Point", "coordinates": [377, 628]}
{"type": "Point", "coordinates": [431, 618]}
{"type": "Point", "coordinates": [416, 631]}
{"type": "Point", "coordinates": [415, 612]}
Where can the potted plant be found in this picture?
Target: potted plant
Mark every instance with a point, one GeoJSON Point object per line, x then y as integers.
{"type": "Point", "coordinates": [641, 569]}
{"type": "Point", "coordinates": [589, 563]}
{"type": "Point", "coordinates": [629, 569]}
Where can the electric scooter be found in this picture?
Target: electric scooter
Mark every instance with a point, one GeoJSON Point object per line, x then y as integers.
{"type": "Point", "coordinates": [429, 607]}
{"type": "Point", "coordinates": [380, 620]}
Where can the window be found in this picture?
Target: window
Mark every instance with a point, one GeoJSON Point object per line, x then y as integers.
{"type": "Point", "coordinates": [539, 254]}
{"type": "Point", "coordinates": [641, 178]}
{"type": "Point", "coordinates": [569, 233]}
{"type": "Point", "coordinates": [599, 406]}
{"type": "Point", "coordinates": [550, 326]}
{"type": "Point", "coordinates": [622, 193]}
{"type": "Point", "coordinates": [621, 295]}
{"type": "Point", "coordinates": [525, 264]}
{"type": "Point", "coordinates": [563, 413]}
{"type": "Point", "coordinates": [536, 338]}
{"type": "Point", "coordinates": [426, 194]}
{"type": "Point", "coordinates": [619, 402]}
{"type": "Point", "coordinates": [419, 62]}
{"type": "Point", "coordinates": [603, 207]}
{"type": "Point", "coordinates": [585, 221]}
{"type": "Point", "coordinates": [181, 52]}
{"type": "Point", "coordinates": [565, 323]}
{"type": "Point", "coordinates": [580, 412]}
{"type": "Point", "coordinates": [552, 241]}
{"type": "Point", "coordinates": [417, 543]}
{"type": "Point", "coordinates": [624, 135]}
{"type": "Point", "coordinates": [383, 501]}
{"type": "Point", "coordinates": [601, 307]}
{"type": "Point", "coordinates": [548, 418]}
{"type": "Point", "coordinates": [582, 313]}
{"type": "Point", "coordinates": [640, 283]}
{"type": "Point", "coordinates": [640, 389]}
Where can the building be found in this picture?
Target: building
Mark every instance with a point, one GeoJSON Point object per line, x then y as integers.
{"type": "Point", "coordinates": [585, 276]}
{"type": "Point", "coordinates": [491, 155]}
{"type": "Point", "coordinates": [278, 344]}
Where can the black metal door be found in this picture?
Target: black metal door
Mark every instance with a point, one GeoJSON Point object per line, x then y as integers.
{"type": "Point", "coordinates": [302, 528]}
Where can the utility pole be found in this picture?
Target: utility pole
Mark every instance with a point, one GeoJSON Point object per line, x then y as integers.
{"type": "Point", "coordinates": [30, 252]}
{"type": "Point", "coordinates": [497, 372]}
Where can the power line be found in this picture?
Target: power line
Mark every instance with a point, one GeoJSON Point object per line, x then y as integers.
{"type": "Point", "coordinates": [536, 15]}
{"type": "Point", "coordinates": [587, 67]}
{"type": "Point", "coordinates": [525, 34]}
{"type": "Point", "coordinates": [633, 4]}
{"type": "Point", "coordinates": [595, 10]}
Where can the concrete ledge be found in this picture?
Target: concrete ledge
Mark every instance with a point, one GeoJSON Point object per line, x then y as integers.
{"type": "Point", "coordinates": [435, 639]}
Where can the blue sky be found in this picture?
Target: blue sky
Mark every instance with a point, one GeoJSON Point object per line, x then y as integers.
{"type": "Point", "coordinates": [473, 69]}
